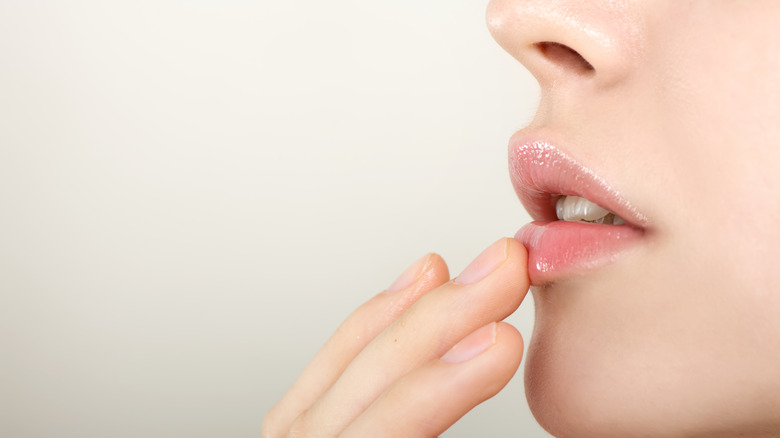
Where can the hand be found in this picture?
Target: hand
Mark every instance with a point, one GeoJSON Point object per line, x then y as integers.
{"type": "Point", "coordinates": [415, 358]}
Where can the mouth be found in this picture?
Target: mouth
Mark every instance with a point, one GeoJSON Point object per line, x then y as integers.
{"type": "Point", "coordinates": [580, 222]}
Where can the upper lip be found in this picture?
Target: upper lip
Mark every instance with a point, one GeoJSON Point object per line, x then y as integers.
{"type": "Point", "coordinates": [541, 173]}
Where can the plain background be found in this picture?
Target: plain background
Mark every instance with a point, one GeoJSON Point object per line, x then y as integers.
{"type": "Point", "coordinates": [193, 194]}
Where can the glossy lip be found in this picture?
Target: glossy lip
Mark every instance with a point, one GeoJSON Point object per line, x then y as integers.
{"type": "Point", "coordinates": [541, 173]}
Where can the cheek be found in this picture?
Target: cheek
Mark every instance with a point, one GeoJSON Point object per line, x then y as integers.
{"type": "Point", "coordinates": [721, 150]}
{"type": "Point", "coordinates": [717, 116]}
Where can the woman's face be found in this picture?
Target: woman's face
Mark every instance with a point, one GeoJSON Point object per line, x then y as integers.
{"type": "Point", "coordinates": [674, 107]}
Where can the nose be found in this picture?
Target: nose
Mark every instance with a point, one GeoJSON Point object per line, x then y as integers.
{"type": "Point", "coordinates": [582, 42]}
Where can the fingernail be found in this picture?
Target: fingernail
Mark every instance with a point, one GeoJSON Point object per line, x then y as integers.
{"type": "Point", "coordinates": [484, 264]}
{"type": "Point", "coordinates": [472, 345]}
{"type": "Point", "coordinates": [411, 275]}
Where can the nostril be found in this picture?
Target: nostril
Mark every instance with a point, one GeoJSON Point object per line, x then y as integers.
{"type": "Point", "coordinates": [565, 57]}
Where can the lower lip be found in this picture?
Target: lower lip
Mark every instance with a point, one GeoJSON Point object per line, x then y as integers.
{"type": "Point", "coordinates": [560, 248]}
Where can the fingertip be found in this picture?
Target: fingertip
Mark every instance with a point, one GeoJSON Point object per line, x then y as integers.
{"type": "Point", "coordinates": [427, 272]}
{"type": "Point", "coordinates": [411, 275]}
{"type": "Point", "coordinates": [518, 256]}
{"type": "Point", "coordinates": [498, 365]}
{"type": "Point", "coordinates": [436, 271]}
{"type": "Point", "coordinates": [509, 338]}
{"type": "Point", "coordinates": [517, 249]}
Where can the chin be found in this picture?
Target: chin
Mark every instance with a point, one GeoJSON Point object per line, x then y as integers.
{"type": "Point", "coordinates": [567, 396]}
{"type": "Point", "coordinates": [585, 378]}
{"type": "Point", "coordinates": [569, 401]}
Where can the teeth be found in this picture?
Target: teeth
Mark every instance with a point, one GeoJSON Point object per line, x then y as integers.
{"type": "Point", "coordinates": [574, 208]}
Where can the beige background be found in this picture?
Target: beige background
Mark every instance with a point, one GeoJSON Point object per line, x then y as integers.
{"type": "Point", "coordinates": [194, 193]}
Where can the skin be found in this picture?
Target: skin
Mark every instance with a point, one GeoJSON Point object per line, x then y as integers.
{"type": "Point", "coordinates": [676, 103]}
{"type": "Point", "coordinates": [383, 363]}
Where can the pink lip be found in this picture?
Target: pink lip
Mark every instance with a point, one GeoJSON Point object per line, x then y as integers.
{"type": "Point", "coordinates": [540, 174]}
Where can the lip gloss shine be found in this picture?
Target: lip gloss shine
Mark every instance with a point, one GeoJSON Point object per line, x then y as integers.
{"type": "Point", "coordinates": [540, 174]}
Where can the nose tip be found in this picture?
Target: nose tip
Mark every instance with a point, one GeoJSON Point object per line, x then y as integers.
{"type": "Point", "coordinates": [595, 40]}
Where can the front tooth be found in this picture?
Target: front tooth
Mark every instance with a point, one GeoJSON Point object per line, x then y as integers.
{"type": "Point", "coordinates": [559, 207]}
{"type": "Point", "coordinates": [575, 208]}
{"type": "Point", "coordinates": [571, 208]}
{"type": "Point", "coordinates": [591, 211]}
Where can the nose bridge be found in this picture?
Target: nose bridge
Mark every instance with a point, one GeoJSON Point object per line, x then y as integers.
{"type": "Point", "coordinates": [603, 37]}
